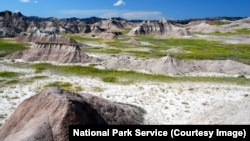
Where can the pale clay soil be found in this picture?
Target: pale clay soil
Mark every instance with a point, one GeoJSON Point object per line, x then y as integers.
{"type": "Point", "coordinates": [164, 103]}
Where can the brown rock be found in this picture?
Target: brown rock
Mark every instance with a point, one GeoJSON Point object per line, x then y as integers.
{"type": "Point", "coordinates": [53, 48]}
{"type": "Point", "coordinates": [46, 116]}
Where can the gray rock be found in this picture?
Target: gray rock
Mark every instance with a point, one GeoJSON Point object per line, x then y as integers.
{"type": "Point", "coordinates": [53, 48]}
{"type": "Point", "coordinates": [47, 115]}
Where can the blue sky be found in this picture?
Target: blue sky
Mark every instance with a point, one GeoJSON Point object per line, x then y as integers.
{"type": "Point", "coordinates": [129, 9]}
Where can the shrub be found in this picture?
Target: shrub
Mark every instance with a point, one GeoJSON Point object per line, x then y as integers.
{"type": "Point", "coordinates": [109, 79]}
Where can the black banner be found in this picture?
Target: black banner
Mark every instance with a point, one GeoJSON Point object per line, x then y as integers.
{"type": "Point", "coordinates": [169, 132]}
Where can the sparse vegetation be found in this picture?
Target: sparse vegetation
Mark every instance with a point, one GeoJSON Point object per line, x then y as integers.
{"type": "Point", "coordinates": [184, 103]}
{"type": "Point", "coordinates": [97, 89]}
{"type": "Point", "coordinates": [246, 95]}
{"type": "Point", "coordinates": [12, 82]}
{"type": "Point", "coordinates": [102, 50]}
{"type": "Point", "coordinates": [2, 116]}
{"type": "Point", "coordinates": [65, 85]}
{"type": "Point", "coordinates": [180, 90]}
{"type": "Point", "coordinates": [39, 68]}
{"type": "Point", "coordinates": [128, 77]}
{"type": "Point", "coordinates": [8, 74]}
{"type": "Point", "coordinates": [8, 46]}
{"type": "Point", "coordinates": [244, 31]}
{"type": "Point", "coordinates": [198, 49]}
{"type": "Point", "coordinates": [109, 79]}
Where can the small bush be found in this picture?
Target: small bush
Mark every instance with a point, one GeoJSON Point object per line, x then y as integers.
{"type": "Point", "coordinates": [11, 82]}
{"type": "Point", "coordinates": [39, 69]}
{"type": "Point", "coordinates": [241, 76]}
{"type": "Point", "coordinates": [2, 116]}
{"type": "Point", "coordinates": [109, 79]}
{"type": "Point", "coordinates": [184, 103]}
{"type": "Point", "coordinates": [64, 85]}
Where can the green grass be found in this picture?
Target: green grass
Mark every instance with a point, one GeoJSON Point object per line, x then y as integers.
{"type": "Point", "coordinates": [58, 83]}
{"type": "Point", "coordinates": [65, 85]}
{"type": "Point", "coordinates": [8, 74]}
{"type": "Point", "coordinates": [244, 31]}
{"type": "Point", "coordinates": [33, 79]}
{"type": "Point", "coordinates": [130, 77]}
{"type": "Point", "coordinates": [199, 49]}
{"type": "Point", "coordinates": [38, 77]}
{"type": "Point", "coordinates": [110, 79]}
{"type": "Point", "coordinates": [9, 78]}
{"type": "Point", "coordinates": [40, 67]}
{"type": "Point", "coordinates": [13, 82]}
{"type": "Point", "coordinates": [83, 38]}
{"type": "Point", "coordinates": [102, 50]}
{"type": "Point", "coordinates": [10, 46]}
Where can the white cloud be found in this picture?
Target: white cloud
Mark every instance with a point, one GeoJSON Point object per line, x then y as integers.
{"type": "Point", "coordinates": [25, 1]}
{"type": "Point", "coordinates": [28, 1]}
{"type": "Point", "coordinates": [103, 13]}
{"type": "Point", "coordinates": [119, 3]}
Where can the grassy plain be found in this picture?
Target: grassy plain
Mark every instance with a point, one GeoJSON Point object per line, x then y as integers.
{"type": "Point", "coordinates": [199, 49]}
{"type": "Point", "coordinates": [129, 77]}
{"type": "Point", "coordinates": [8, 46]}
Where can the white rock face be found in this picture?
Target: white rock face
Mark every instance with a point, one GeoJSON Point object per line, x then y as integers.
{"type": "Point", "coordinates": [163, 28]}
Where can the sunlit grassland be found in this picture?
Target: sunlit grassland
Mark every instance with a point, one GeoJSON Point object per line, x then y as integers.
{"type": "Point", "coordinates": [8, 46]}
{"type": "Point", "coordinates": [8, 77]}
{"type": "Point", "coordinates": [83, 37]}
{"type": "Point", "coordinates": [13, 78]}
{"type": "Point", "coordinates": [130, 77]}
{"type": "Point", "coordinates": [243, 31]}
{"type": "Point", "coordinates": [199, 49]}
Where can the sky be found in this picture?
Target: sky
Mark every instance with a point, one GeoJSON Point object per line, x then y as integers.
{"type": "Point", "coordinates": [129, 9]}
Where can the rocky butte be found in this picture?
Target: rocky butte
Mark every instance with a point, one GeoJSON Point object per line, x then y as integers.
{"type": "Point", "coordinates": [54, 48]}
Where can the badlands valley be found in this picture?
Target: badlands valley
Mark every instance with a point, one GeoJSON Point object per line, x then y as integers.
{"type": "Point", "coordinates": [174, 72]}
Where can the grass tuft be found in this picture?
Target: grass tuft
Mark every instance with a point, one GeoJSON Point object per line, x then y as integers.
{"type": "Point", "coordinates": [65, 85]}
{"type": "Point", "coordinates": [8, 74]}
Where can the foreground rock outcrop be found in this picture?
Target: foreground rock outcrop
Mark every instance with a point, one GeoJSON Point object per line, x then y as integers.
{"type": "Point", "coordinates": [53, 48]}
{"type": "Point", "coordinates": [46, 116]}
